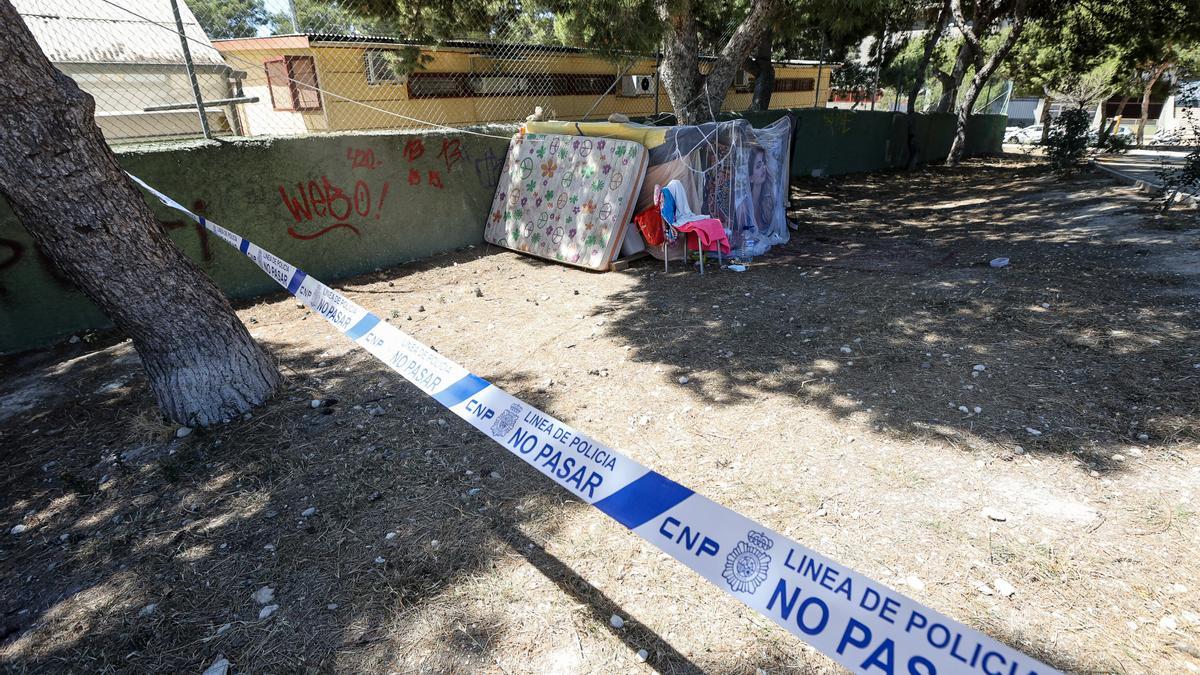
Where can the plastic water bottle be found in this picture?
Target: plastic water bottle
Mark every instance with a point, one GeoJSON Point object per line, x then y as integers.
{"type": "Point", "coordinates": [749, 248]}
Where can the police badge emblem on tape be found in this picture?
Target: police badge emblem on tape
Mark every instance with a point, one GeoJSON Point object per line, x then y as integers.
{"type": "Point", "coordinates": [746, 565]}
{"type": "Point", "coordinates": [849, 617]}
{"type": "Point", "coordinates": [506, 421]}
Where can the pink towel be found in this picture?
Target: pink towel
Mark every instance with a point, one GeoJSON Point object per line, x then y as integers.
{"type": "Point", "coordinates": [710, 231]}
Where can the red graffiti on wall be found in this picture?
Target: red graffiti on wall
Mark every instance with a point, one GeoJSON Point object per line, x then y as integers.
{"type": "Point", "coordinates": [16, 253]}
{"type": "Point", "coordinates": [451, 152]}
{"type": "Point", "coordinates": [200, 208]}
{"type": "Point", "coordinates": [318, 201]}
{"type": "Point", "coordinates": [414, 149]}
{"type": "Point", "coordinates": [362, 158]}
{"type": "Point", "coordinates": [324, 199]}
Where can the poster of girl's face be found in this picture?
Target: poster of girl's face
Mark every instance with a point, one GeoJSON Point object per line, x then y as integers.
{"type": "Point", "coordinates": [756, 200]}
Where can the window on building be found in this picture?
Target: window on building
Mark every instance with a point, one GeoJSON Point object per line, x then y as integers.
{"type": "Point", "coordinates": [581, 85]}
{"type": "Point", "coordinates": [795, 84]}
{"type": "Point", "coordinates": [438, 85]}
{"type": "Point", "coordinates": [293, 83]}
{"type": "Point", "coordinates": [381, 67]}
{"type": "Point", "coordinates": [455, 85]}
{"type": "Point", "coordinates": [499, 85]}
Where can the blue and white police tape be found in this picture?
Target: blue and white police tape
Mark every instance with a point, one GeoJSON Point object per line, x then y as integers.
{"type": "Point", "coordinates": [854, 620]}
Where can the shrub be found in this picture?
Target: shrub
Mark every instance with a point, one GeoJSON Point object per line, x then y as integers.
{"type": "Point", "coordinates": [1067, 142]}
{"type": "Point", "coordinates": [1114, 144]}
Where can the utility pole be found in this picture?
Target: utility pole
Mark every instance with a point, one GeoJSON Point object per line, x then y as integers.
{"type": "Point", "coordinates": [820, 64]}
{"type": "Point", "coordinates": [657, 75]}
{"type": "Point", "coordinates": [191, 70]}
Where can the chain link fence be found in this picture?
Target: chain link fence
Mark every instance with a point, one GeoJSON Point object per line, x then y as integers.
{"type": "Point", "coordinates": [293, 67]}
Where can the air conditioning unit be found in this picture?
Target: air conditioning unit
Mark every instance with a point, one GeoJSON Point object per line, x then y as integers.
{"type": "Point", "coordinates": [741, 80]}
{"type": "Point", "coordinates": [637, 85]}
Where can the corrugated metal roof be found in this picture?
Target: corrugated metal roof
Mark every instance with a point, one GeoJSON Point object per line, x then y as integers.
{"type": "Point", "coordinates": [135, 31]}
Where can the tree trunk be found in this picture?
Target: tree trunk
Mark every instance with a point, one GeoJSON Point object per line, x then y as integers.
{"type": "Point", "coordinates": [878, 64]}
{"type": "Point", "coordinates": [1107, 130]}
{"type": "Point", "coordinates": [763, 70]}
{"type": "Point", "coordinates": [1157, 73]}
{"type": "Point", "coordinates": [696, 97]}
{"type": "Point", "coordinates": [66, 187]}
{"type": "Point", "coordinates": [1047, 117]}
{"type": "Point", "coordinates": [680, 75]}
{"type": "Point", "coordinates": [952, 81]}
{"type": "Point", "coordinates": [931, 41]}
{"type": "Point", "coordinates": [959, 146]}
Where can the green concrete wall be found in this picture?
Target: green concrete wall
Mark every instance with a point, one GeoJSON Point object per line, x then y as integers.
{"type": "Point", "coordinates": [829, 141]}
{"type": "Point", "coordinates": [400, 214]}
{"type": "Point", "coordinates": [387, 206]}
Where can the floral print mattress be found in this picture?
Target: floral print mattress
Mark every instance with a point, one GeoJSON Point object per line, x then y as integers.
{"type": "Point", "coordinates": [566, 198]}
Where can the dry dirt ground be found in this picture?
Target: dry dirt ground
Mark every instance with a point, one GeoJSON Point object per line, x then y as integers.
{"type": "Point", "coordinates": [823, 399]}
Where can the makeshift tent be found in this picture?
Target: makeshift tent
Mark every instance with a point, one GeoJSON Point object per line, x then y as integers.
{"type": "Point", "coordinates": [730, 171]}
{"type": "Point", "coordinates": [566, 198]}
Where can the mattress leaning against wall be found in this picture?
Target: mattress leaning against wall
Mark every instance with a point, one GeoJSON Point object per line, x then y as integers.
{"type": "Point", "coordinates": [566, 198]}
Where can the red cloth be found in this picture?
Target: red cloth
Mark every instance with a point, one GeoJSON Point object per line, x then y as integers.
{"type": "Point", "coordinates": [709, 230]}
{"type": "Point", "coordinates": [650, 224]}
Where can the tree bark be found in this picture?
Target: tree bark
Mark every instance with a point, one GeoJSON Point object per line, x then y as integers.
{"type": "Point", "coordinates": [953, 80]}
{"type": "Point", "coordinates": [1107, 130]}
{"type": "Point", "coordinates": [931, 41]}
{"type": "Point", "coordinates": [763, 70]}
{"type": "Point", "coordinates": [679, 73]}
{"type": "Point", "coordinates": [1047, 117]}
{"type": "Point", "coordinates": [66, 187]}
{"type": "Point", "coordinates": [1154, 75]}
{"type": "Point", "coordinates": [697, 97]}
{"type": "Point", "coordinates": [959, 146]}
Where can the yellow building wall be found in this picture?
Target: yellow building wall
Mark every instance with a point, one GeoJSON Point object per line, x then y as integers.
{"type": "Point", "coordinates": [353, 103]}
{"type": "Point", "coordinates": [261, 118]}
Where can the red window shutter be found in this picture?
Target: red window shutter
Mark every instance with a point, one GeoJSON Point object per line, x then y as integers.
{"type": "Point", "coordinates": [278, 84]}
{"type": "Point", "coordinates": [305, 90]}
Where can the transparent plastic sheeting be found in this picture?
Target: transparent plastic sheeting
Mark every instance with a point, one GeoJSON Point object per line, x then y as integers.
{"type": "Point", "coordinates": [856, 621]}
{"type": "Point", "coordinates": [743, 177]}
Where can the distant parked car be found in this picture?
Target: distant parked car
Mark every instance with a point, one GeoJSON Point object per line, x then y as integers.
{"type": "Point", "coordinates": [1028, 135]}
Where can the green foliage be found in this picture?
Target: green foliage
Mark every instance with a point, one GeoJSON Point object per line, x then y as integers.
{"type": "Point", "coordinates": [855, 79]}
{"type": "Point", "coordinates": [406, 60]}
{"type": "Point", "coordinates": [1114, 144]}
{"type": "Point", "coordinates": [322, 16]}
{"type": "Point", "coordinates": [902, 70]}
{"type": "Point", "coordinates": [1067, 142]}
{"type": "Point", "coordinates": [1144, 33]}
{"type": "Point", "coordinates": [1056, 48]}
{"type": "Point", "coordinates": [229, 18]}
{"type": "Point", "coordinates": [614, 27]}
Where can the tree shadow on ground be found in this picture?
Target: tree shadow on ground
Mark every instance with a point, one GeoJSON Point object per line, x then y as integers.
{"type": "Point", "coordinates": [195, 525]}
{"type": "Point", "coordinates": [123, 516]}
{"type": "Point", "coordinates": [884, 305]}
